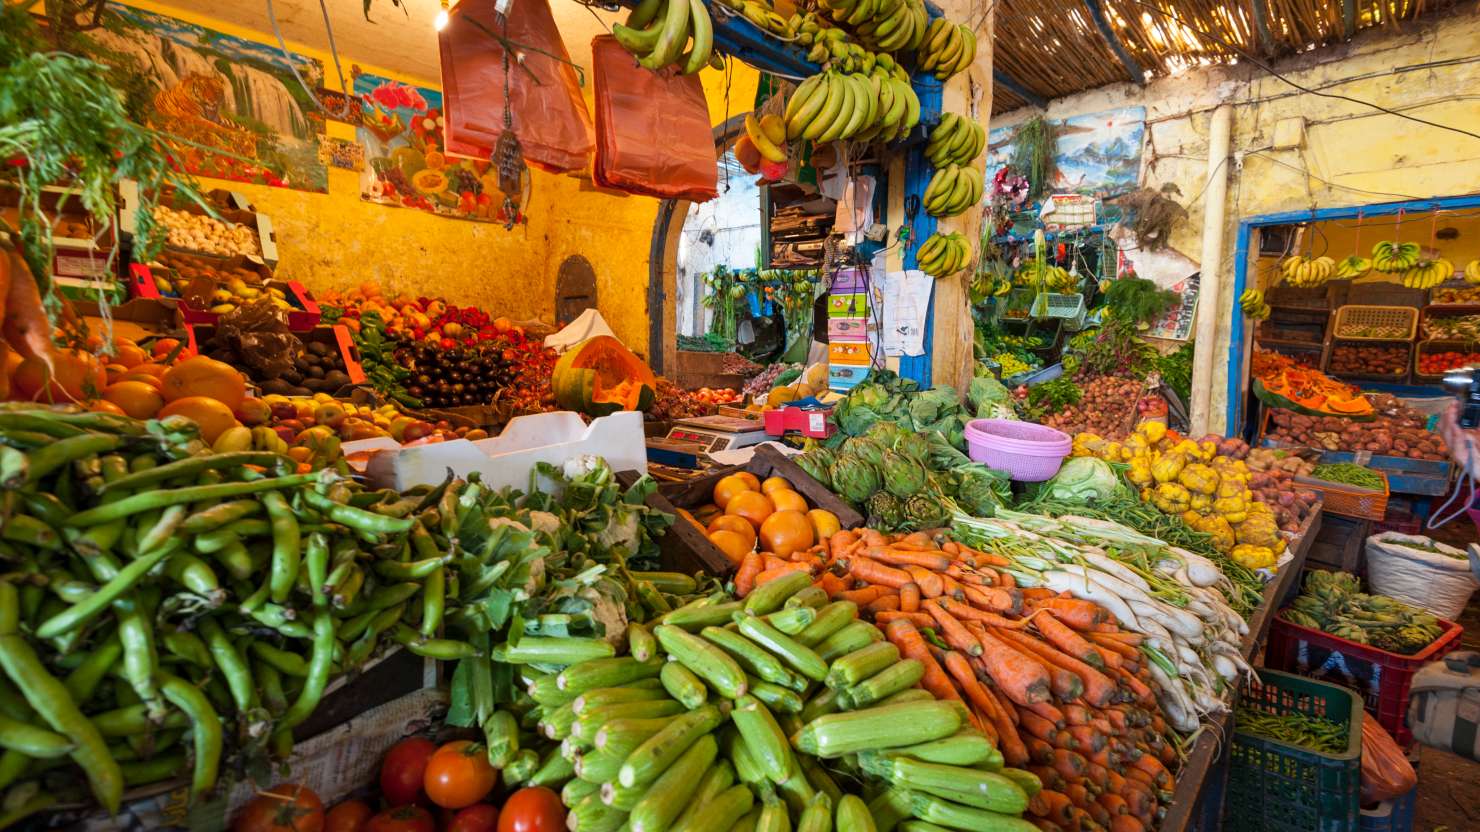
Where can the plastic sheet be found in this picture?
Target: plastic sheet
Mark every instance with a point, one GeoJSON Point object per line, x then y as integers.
{"type": "Point", "coordinates": [549, 112]}
{"type": "Point", "coordinates": [653, 135]}
{"type": "Point", "coordinates": [1386, 772]}
{"type": "Point", "coordinates": [259, 333]}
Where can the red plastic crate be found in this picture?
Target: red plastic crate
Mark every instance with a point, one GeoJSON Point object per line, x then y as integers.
{"type": "Point", "coordinates": [1382, 678]}
{"type": "Point", "coordinates": [302, 317]}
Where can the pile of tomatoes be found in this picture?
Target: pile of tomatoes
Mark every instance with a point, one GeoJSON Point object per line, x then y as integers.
{"type": "Point", "coordinates": [1438, 363]}
{"type": "Point", "coordinates": [424, 788]}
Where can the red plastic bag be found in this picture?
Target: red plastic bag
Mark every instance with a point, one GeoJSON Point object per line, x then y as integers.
{"type": "Point", "coordinates": [653, 135]}
{"type": "Point", "coordinates": [1386, 772]}
{"type": "Point", "coordinates": [549, 112]}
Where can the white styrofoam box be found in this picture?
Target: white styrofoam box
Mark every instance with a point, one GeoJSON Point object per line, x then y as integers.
{"type": "Point", "coordinates": [507, 459]}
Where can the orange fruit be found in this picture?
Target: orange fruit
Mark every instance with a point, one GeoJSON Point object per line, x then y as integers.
{"type": "Point", "coordinates": [73, 377]}
{"type": "Point", "coordinates": [128, 354]}
{"type": "Point", "coordinates": [164, 346]}
{"type": "Point", "coordinates": [152, 381]}
{"type": "Point", "coordinates": [114, 372]}
{"type": "Point", "coordinates": [105, 406]}
{"type": "Point", "coordinates": [731, 523]}
{"type": "Point", "coordinates": [202, 376]}
{"type": "Point", "coordinates": [824, 523]}
{"type": "Point", "coordinates": [752, 505]}
{"type": "Point", "coordinates": [149, 369]}
{"type": "Point", "coordinates": [788, 500]}
{"type": "Point", "coordinates": [726, 489]}
{"type": "Point", "coordinates": [775, 484]}
{"type": "Point", "coordinates": [785, 532]}
{"type": "Point", "coordinates": [735, 546]}
{"type": "Point", "coordinates": [706, 512]}
{"type": "Point", "coordinates": [213, 417]}
{"type": "Point", "coordinates": [136, 398]}
{"type": "Point", "coordinates": [750, 479]}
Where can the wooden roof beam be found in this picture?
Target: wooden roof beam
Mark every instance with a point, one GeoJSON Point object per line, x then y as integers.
{"type": "Point", "coordinates": [1132, 66]}
{"type": "Point", "coordinates": [1011, 84]}
{"type": "Point", "coordinates": [1348, 18]}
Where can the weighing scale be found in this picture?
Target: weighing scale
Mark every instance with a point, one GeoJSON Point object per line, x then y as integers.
{"type": "Point", "coordinates": [690, 439]}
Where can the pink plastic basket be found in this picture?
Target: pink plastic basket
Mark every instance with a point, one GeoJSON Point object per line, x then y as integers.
{"type": "Point", "coordinates": [1029, 452]}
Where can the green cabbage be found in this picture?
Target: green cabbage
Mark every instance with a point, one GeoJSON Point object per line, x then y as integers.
{"type": "Point", "coordinates": [1083, 478]}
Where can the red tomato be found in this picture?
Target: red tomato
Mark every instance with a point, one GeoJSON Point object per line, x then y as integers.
{"type": "Point", "coordinates": [459, 775]}
{"type": "Point", "coordinates": [286, 807]}
{"type": "Point", "coordinates": [480, 817]}
{"type": "Point", "coordinates": [403, 768]}
{"type": "Point", "coordinates": [534, 809]}
{"type": "Point", "coordinates": [403, 819]}
{"type": "Point", "coordinates": [349, 816]}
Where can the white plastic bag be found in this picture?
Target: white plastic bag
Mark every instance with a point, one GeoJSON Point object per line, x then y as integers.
{"type": "Point", "coordinates": [1439, 582]}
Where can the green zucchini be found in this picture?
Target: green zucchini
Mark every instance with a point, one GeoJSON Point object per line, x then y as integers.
{"type": "Point", "coordinates": [597, 766]}
{"type": "Point", "coordinates": [556, 724]}
{"type": "Point", "coordinates": [576, 789]}
{"type": "Point", "coordinates": [640, 643]}
{"type": "Point", "coordinates": [819, 777]}
{"type": "Point", "coordinates": [802, 659]}
{"type": "Point", "coordinates": [707, 661]}
{"type": "Point", "coordinates": [546, 691]}
{"type": "Point", "coordinates": [605, 673]}
{"type": "Point", "coordinates": [967, 747]}
{"type": "Point", "coordinates": [696, 617]}
{"type": "Point", "coordinates": [655, 755]}
{"type": "Point", "coordinates": [683, 685]}
{"type": "Point", "coordinates": [920, 826]}
{"type": "Point", "coordinates": [972, 787]}
{"type": "Point", "coordinates": [548, 650]}
{"type": "Point", "coordinates": [749, 822]}
{"type": "Point", "coordinates": [776, 697]}
{"type": "Point", "coordinates": [622, 736]}
{"type": "Point", "coordinates": [589, 723]}
{"type": "Point", "coordinates": [889, 808]}
{"type": "Point", "coordinates": [597, 697]}
{"type": "Point", "coordinates": [571, 748]}
{"type": "Point", "coordinates": [896, 678]}
{"type": "Point", "coordinates": [829, 620]}
{"type": "Point", "coordinates": [792, 620]}
{"type": "Point", "coordinates": [911, 695]}
{"type": "Point", "coordinates": [1026, 780]}
{"type": "Point", "coordinates": [766, 599]}
{"type": "Point", "coordinates": [912, 723]}
{"type": "Point", "coordinates": [818, 816]}
{"type": "Point", "coordinates": [764, 738]}
{"type": "Point", "coordinates": [813, 596]}
{"type": "Point", "coordinates": [825, 701]}
{"type": "Point", "coordinates": [554, 770]}
{"type": "Point", "coordinates": [667, 796]}
{"type": "Point", "coordinates": [853, 815]}
{"type": "Point", "coordinates": [501, 735]}
{"type": "Point", "coordinates": [672, 583]}
{"type": "Point", "coordinates": [773, 817]}
{"type": "Point", "coordinates": [720, 776]}
{"type": "Point", "coordinates": [727, 807]}
{"type": "Point", "coordinates": [955, 816]}
{"type": "Point", "coordinates": [861, 664]}
{"type": "Point", "coordinates": [854, 636]}
{"type": "Point", "coordinates": [796, 791]}
{"type": "Point", "coordinates": [620, 797]}
{"type": "Point", "coordinates": [755, 660]}
{"type": "Point", "coordinates": [591, 815]}
{"type": "Point", "coordinates": [747, 768]}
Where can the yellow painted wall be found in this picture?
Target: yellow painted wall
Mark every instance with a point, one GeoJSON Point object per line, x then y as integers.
{"type": "Point", "coordinates": [336, 240]}
{"type": "Point", "coordinates": [1353, 155]}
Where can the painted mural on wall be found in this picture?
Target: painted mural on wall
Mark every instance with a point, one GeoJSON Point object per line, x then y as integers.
{"type": "Point", "coordinates": [1099, 154]}
{"type": "Point", "coordinates": [233, 105]}
{"type": "Point", "coordinates": [401, 129]}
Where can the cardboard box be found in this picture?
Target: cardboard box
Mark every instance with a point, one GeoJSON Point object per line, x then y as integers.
{"type": "Point", "coordinates": [230, 206]}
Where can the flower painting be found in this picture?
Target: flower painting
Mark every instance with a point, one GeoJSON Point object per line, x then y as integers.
{"type": "Point", "coordinates": [401, 128]}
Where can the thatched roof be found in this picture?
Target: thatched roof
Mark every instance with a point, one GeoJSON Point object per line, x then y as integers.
{"type": "Point", "coordinates": [1046, 49]}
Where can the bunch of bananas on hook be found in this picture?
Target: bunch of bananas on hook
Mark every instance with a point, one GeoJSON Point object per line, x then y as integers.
{"type": "Point", "coordinates": [1305, 272]}
{"type": "Point", "coordinates": [952, 190]}
{"type": "Point", "coordinates": [835, 106]}
{"type": "Point", "coordinates": [942, 255]}
{"type": "Point", "coordinates": [1253, 304]}
{"type": "Point", "coordinates": [947, 49]}
{"type": "Point", "coordinates": [955, 140]}
{"type": "Point", "coordinates": [1394, 258]}
{"type": "Point", "coordinates": [656, 32]}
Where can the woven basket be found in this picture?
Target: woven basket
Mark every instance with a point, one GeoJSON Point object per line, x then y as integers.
{"type": "Point", "coordinates": [1376, 323]}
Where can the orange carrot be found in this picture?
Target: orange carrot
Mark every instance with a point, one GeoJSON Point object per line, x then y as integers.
{"type": "Point", "coordinates": [1066, 687]}
{"type": "Point", "coordinates": [1075, 612]}
{"type": "Point", "coordinates": [973, 557]}
{"type": "Point", "coordinates": [995, 599]}
{"type": "Point", "coordinates": [1108, 658]}
{"type": "Point", "coordinates": [930, 583]}
{"type": "Point", "coordinates": [1045, 825]}
{"type": "Point", "coordinates": [863, 596]}
{"type": "Point", "coordinates": [745, 576]}
{"type": "Point", "coordinates": [1047, 711]}
{"type": "Point", "coordinates": [841, 538]}
{"type": "Point", "coordinates": [1078, 794]}
{"type": "Point", "coordinates": [884, 603]}
{"type": "Point", "coordinates": [872, 537]}
{"type": "Point", "coordinates": [770, 575]}
{"type": "Point", "coordinates": [966, 612]}
{"type": "Point", "coordinates": [953, 631]}
{"type": "Point", "coordinates": [932, 559]}
{"type": "Point", "coordinates": [871, 571]}
{"type": "Point", "coordinates": [1036, 593]}
{"type": "Point", "coordinates": [1076, 714]}
{"type": "Point", "coordinates": [909, 597]}
{"type": "Point", "coordinates": [773, 562]}
{"type": "Point", "coordinates": [1069, 764]}
{"type": "Point", "coordinates": [916, 540]}
{"type": "Point", "coordinates": [1065, 639]}
{"type": "Point", "coordinates": [950, 547]}
{"type": "Point", "coordinates": [951, 588]}
{"type": "Point", "coordinates": [1113, 803]}
{"type": "Point", "coordinates": [1036, 725]}
{"type": "Point", "coordinates": [1081, 819]}
{"type": "Point", "coordinates": [1087, 737]}
{"type": "Point", "coordinates": [1098, 689]}
{"type": "Point", "coordinates": [1126, 823]}
{"type": "Point", "coordinates": [1039, 751]}
{"type": "Point", "coordinates": [1057, 806]}
{"type": "Point", "coordinates": [960, 670]}
{"type": "Point", "coordinates": [1132, 639]}
{"type": "Point", "coordinates": [831, 584]}
{"type": "Point", "coordinates": [1152, 765]}
{"type": "Point", "coordinates": [1006, 580]}
{"type": "Point", "coordinates": [1123, 649]}
{"type": "Point", "coordinates": [1023, 680]}
{"type": "Point", "coordinates": [1139, 688]}
{"type": "Point", "coordinates": [911, 644]}
{"type": "Point", "coordinates": [919, 619]}
{"type": "Point", "coordinates": [1014, 752]}
{"type": "Point", "coordinates": [1049, 777]}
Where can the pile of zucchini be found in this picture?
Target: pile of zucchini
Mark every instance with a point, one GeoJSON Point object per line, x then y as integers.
{"type": "Point", "coordinates": [769, 714]}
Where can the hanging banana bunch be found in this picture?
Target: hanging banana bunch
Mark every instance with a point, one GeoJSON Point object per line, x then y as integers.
{"type": "Point", "coordinates": [837, 106]}
{"type": "Point", "coordinates": [952, 190]}
{"type": "Point", "coordinates": [1428, 273]}
{"type": "Point", "coordinates": [947, 49]}
{"type": "Point", "coordinates": [881, 25]}
{"type": "Point", "coordinates": [1395, 258]}
{"type": "Point", "coordinates": [1305, 272]}
{"type": "Point", "coordinates": [1352, 267]}
{"type": "Point", "coordinates": [942, 255]}
{"type": "Point", "coordinates": [955, 141]}
{"type": "Point", "coordinates": [1253, 304]}
{"type": "Point", "coordinates": [656, 32]}
{"type": "Point", "coordinates": [1472, 272]}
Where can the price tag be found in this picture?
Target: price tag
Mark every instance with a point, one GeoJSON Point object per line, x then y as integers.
{"type": "Point", "coordinates": [816, 421]}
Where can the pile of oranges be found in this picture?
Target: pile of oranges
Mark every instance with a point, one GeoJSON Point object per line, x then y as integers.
{"type": "Point", "coordinates": [748, 514]}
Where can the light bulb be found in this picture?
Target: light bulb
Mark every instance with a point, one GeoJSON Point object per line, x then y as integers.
{"type": "Point", "coordinates": [440, 22]}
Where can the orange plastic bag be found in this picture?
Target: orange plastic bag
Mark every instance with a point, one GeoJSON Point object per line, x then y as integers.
{"type": "Point", "coordinates": [549, 112]}
{"type": "Point", "coordinates": [1386, 772]}
{"type": "Point", "coordinates": [653, 135]}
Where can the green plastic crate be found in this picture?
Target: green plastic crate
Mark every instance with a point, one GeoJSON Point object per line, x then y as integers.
{"type": "Point", "coordinates": [1278, 787]}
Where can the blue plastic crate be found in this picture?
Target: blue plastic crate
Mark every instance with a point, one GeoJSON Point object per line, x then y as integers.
{"type": "Point", "coordinates": [1396, 815]}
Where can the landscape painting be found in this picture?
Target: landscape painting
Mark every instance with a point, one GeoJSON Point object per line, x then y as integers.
{"type": "Point", "coordinates": [1099, 154]}
{"type": "Point", "coordinates": [230, 108]}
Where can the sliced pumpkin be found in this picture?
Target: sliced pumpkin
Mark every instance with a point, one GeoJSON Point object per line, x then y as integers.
{"type": "Point", "coordinates": [600, 376]}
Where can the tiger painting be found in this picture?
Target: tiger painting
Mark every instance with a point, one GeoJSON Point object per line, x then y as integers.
{"type": "Point", "coordinates": [192, 110]}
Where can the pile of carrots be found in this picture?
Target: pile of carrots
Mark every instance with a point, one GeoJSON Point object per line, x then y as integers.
{"type": "Point", "coordinates": [1052, 680]}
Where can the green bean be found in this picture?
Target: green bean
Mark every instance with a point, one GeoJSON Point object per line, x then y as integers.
{"type": "Point", "coordinates": [31, 740]}
{"type": "Point", "coordinates": [38, 802]}
{"type": "Point", "coordinates": [423, 542]}
{"type": "Point", "coordinates": [271, 684]}
{"type": "Point", "coordinates": [218, 515]}
{"type": "Point", "coordinates": [168, 523]}
{"type": "Point", "coordinates": [83, 681]}
{"type": "Point", "coordinates": [23, 528]}
{"type": "Point", "coordinates": [195, 575]}
{"type": "Point", "coordinates": [45, 460]}
{"type": "Point", "coordinates": [317, 677]}
{"type": "Point", "coordinates": [205, 730]}
{"type": "Point", "coordinates": [38, 422]}
{"type": "Point", "coordinates": [433, 601]}
{"type": "Point", "coordinates": [50, 699]}
{"type": "Point", "coordinates": [12, 765]}
{"type": "Point", "coordinates": [12, 704]}
{"type": "Point", "coordinates": [286, 545]}
{"type": "Point", "coordinates": [65, 587]}
{"type": "Point", "coordinates": [234, 668]}
{"type": "Point", "coordinates": [14, 467]}
{"type": "Point", "coordinates": [139, 657]}
{"type": "Point", "coordinates": [134, 719]}
{"type": "Point", "coordinates": [190, 494]}
{"type": "Point", "coordinates": [81, 613]}
{"type": "Point", "coordinates": [291, 664]}
{"type": "Point", "coordinates": [45, 507]}
{"type": "Point", "coordinates": [26, 439]}
{"type": "Point", "coordinates": [413, 571]}
{"type": "Point", "coordinates": [236, 560]}
{"type": "Point", "coordinates": [153, 770]}
{"type": "Point", "coordinates": [281, 619]}
{"type": "Point", "coordinates": [188, 647]}
{"type": "Point", "coordinates": [192, 466]}
{"type": "Point", "coordinates": [357, 519]}
{"type": "Point", "coordinates": [348, 587]}
{"type": "Point", "coordinates": [212, 542]}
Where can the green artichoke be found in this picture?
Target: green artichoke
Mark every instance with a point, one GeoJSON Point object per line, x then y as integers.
{"type": "Point", "coordinates": [816, 463]}
{"type": "Point", "coordinates": [885, 433]}
{"type": "Point", "coordinates": [903, 476]}
{"type": "Point", "coordinates": [885, 512]}
{"type": "Point", "coordinates": [866, 449]}
{"type": "Point", "coordinates": [926, 511]}
{"type": "Point", "coordinates": [914, 446]}
{"type": "Point", "coordinates": [854, 479]}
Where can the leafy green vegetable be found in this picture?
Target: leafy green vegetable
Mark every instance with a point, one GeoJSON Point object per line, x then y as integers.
{"type": "Point", "coordinates": [1176, 371]}
{"type": "Point", "coordinates": [1138, 301]}
{"type": "Point", "coordinates": [1114, 350]}
{"type": "Point", "coordinates": [1083, 478]}
{"type": "Point", "coordinates": [885, 397]}
{"type": "Point", "coordinates": [1052, 396]}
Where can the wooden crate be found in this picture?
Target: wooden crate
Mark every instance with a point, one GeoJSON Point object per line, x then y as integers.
{"type": "Point", "coordinates": [1338, 544]}
{"type": "Point", "coordinates": [693, 369]}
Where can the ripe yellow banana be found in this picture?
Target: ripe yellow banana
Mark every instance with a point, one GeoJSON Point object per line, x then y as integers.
{"type": "Point", "coordinates": [761, 140]}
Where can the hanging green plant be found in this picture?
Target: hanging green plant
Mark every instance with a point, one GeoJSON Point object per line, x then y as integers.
{"type": "Point", "coordinates": [1137, 301]}
{"type": "Point", "coordinates": [1035, 145]}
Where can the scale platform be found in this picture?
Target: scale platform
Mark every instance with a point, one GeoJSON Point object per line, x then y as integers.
{"type": "Point", "coordinates": [690, 439]}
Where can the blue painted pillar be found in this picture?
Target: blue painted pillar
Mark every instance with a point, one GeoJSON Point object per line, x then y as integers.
{"type": "Point", "coordinates": [917, 173]}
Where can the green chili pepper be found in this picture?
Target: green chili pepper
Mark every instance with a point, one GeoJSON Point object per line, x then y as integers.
{"type": "Point", "coordinates": [413, 571]}
{"type": "Point", "coordinates": [159, 499]}
{"type": "Point", "coordinates": [234, 668]}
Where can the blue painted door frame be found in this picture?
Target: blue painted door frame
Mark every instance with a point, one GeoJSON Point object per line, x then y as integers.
{"type": "Point", "coordinates": [1241, 270]}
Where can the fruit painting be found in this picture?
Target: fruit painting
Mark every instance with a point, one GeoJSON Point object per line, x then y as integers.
{"type": "Point", "coordinates": [406, 164]}
{"type": "Point", "coordinates": [229, 108]}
